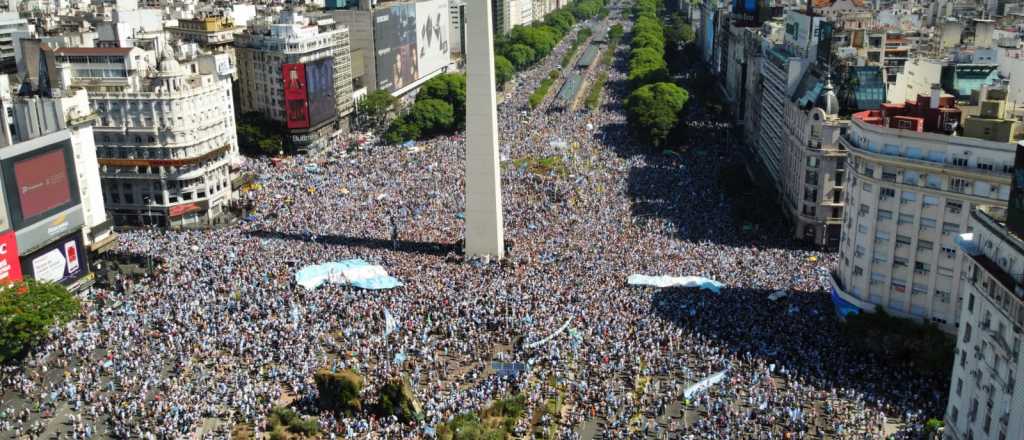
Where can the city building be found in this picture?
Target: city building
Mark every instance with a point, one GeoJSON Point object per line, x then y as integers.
{"type": "Point", "coordinates": [501, 16]}
{"type": "Point", "coordinates": [397, 46]}
{"type": "Point", "coordinates": [911, 185]}
{"type": "Point", "coordinates": [41, 217]}
{"type": "Point", "coordinates": [10, 25]}
{"type": "Point", "coordinates": [780, 74]}
{"type": "Point", "coordinates": [814, 163]}
{"type": "Point", "coordinates": [36, 116]}
{"type": "Point", "coordinates": [297, 72]}
{"type": "Point", "coordinates": [986, 395]}
{"type": "Point", "coordinates": [457, 29]}
{"type": "Point", "coordinates": [165, 138]}
{"type": "Point", "coordinates": [215, 34]}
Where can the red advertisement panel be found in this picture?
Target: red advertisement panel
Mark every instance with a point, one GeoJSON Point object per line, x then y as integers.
{"type": "Point", "coordinates": [296, 102]}
{"type": "Point", "coordinates": [42, 183]}
{"type": "Point", "coordinates": [10, 265]}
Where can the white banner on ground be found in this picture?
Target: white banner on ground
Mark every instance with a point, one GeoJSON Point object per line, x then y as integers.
{"type": "Point", "coordinates": [551, 336]}
{"type": "Point", "coordinates": [703, 385]}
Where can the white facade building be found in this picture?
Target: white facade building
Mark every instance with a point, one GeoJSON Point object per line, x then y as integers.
{"type": "Point", "coordinates": [986, 395]}
{"type": "Point", "coordinates": [266, 46]}
{"type": "Point", "coordinates": [909, 194]}
{"type": "Point", "coordinates": [166, 137]}
{"type": "Point", "coordinates": [814, 163]}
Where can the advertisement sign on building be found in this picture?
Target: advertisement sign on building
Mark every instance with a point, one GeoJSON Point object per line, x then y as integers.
{"type": "Point", "coordinates": [296, 106]}
{"type": "Point", "coordinates": [60, 262]}
{"type": "Point", "coordinates": [10, 266]}
{"type": "Point", "coordinates": [394, 32]}
{"type": "Point", "coordinates": [432, 22]}
{"type": "Point", "coordinates": [40, 183]}
{"type": "Point", "coordinates": [320, 89]}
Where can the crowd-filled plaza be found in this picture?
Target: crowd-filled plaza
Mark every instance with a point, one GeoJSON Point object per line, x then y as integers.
{"type": "Point", "coordinates": [221, 332]}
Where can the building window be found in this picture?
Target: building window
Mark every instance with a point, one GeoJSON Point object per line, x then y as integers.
{"type": "Point", "coordinates": [886, 193]}
{"type": "Point", "coordinates": [905, 219]}
{"type": "Point", "coordinates": [884, 214]}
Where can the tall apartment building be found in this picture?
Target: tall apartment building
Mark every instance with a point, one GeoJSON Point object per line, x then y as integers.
{"type": "Point", "coordinates": [314, 54]}
{"type": "Point", "coordinates": [814, 163]}
{"type": "Point", "coordinates": [10, 24]}
{"type": "Point", "coordinates": [457, 29]}
{"type": "Point", "coordinates": [986, 395]}
{"type": "Point", "coordinates": [780, 74]}
{"type": "Point", "coordinates": [166, 137]}
{"type": "Point", "coordinates": [910, 189]}
{"type": "Point", "coordinates": [501, 16]}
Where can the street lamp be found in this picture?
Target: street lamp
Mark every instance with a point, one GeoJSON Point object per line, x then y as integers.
{"type": "Point", "coordinates": [149, 222]}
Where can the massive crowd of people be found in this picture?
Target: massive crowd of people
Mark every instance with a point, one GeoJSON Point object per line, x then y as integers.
{"type": "Point", "coordinates": [221, 332]}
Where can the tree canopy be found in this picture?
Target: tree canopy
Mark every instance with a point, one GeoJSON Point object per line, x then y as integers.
{"type": "Point", "coordinates": [503, 70]}
{"type": "Point", "coordinates": [259, 135]}
{"type": "Point", "coordinates": [653, 110]}
{"type": "Point", "coordinates": [521, 55]}
{"type": "Point", "coordinates": [647, 66]}
{"type": "Point", "coordinates": [450, 88]}
{"type": "Point", "coordinates": [377, 106]}
{"type": "Point", "coordinates": [27, 311]}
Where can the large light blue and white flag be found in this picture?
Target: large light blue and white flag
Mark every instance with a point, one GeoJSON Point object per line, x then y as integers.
{"type": "Point", "coordinates": [356, 272]}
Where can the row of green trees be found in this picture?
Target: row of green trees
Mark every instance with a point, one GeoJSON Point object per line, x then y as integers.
{"type": "Point", "coordinates": [654, 105]}
{"type": "Point", "coordinates": [526, 45]}
{"type": "Point", "coordinates": [440, 108]}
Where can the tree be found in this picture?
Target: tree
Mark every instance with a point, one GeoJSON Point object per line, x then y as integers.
{"type": "Point", "coordinates": [650, 40]}
{"type": "Point", "coordinates": [503, 70]}
{"type": "Point", "coordinates": [646, 66]}
{"type": "Point", "coordinates": [397, 399]}
{"type": "Point", "coordinates": [653, 110]}
{"type": "Point", "coordinates": [521, 56]}
{"type": "Point", "coordinates": [433, 117]}
{"type": "Point", "coordinates": [27, 311]}
{"type": "Point", "coordinates": [680, 32]}
{"type": "Point", "coordinates": [616, 32]}
{"type": "Point", "coordinates": [270, 145]}
{"type": "Point", "coordinates": [539, 38]}
{"type": "Point", "coordinates": [377, 107]}
{"type": "Point", "coordinates": [401, 130]}
{"type": "Point", "coordinates": [450, 88]}
{"type": "Point", "coordinates": [561, 20]}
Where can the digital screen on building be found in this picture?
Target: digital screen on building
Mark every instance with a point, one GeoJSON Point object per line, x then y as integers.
{"type": "Point", "coordinates": [10, 265]}
{"type": "Point", "coordinates": [433, 51]}
{"type": "Point", "coordinates": [395, 39]}
{"type": "Point", "coordinates": [63, 261]}
{"type": "Point", "coordinates": [320, 90]}
{"type": "Point", "coordinates": [40, 183]}
{"type": "Point", "coordinates": [296, 105]}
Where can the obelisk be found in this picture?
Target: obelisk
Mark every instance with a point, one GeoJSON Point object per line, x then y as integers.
{"type": "Point", "coordinates": [485, 234]}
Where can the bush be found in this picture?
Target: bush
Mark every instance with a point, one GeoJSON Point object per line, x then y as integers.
{"type": "Point", "coordinates": [339, 392]}
{"type": "Point", "coordinates": [396, 399]}
{"type": "Point", "coordinates": [285, 419]}
{"type": "Point", "coordinates": [29, 308]}
{"type": "Point", "coordinates": [503, 70]}
{"type": "Point", "coordinates": [495, 422]}
{"type": "Point", "coordinates": [542, 90]}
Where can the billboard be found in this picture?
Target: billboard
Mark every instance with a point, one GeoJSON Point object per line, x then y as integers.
{"type": "Point", "coordinates": [433, 50]}
{"type": "Point", "coordinates": [60, 262]}
{"type": "Point", "coordinates": [10, 266]}
{"type": "Point", "coordinates": [296, 107]}
{"type": "Point", "coordinates": [40, 183]}
{"type": "Point", "coordinates": [394, 35]}
{"type": "Point", "coordinates": [320, 91]}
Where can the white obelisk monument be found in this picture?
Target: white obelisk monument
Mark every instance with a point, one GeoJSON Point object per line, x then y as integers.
{"type": "Point", "coordinates": [485, 234]}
